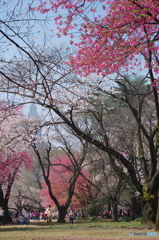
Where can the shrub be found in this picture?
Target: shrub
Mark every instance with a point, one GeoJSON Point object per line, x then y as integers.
{"type": "Point", "coordinates": [94, 209]}
{"type": "Point", "coordinates": [138, 219]}
{"type": "Point", "coordinates": [125, 219]}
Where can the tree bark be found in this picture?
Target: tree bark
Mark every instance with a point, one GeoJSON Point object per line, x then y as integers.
{"type": "Point", "coordinates": [4, 205]}
{"type": "Point", "coordinates": [1, 196]}
{"type": "Point", "coordinates": [149, 209]}
{"type": "Point", "coordinates": [62, 214]}
{"type": "Point", "coordinates": [7, 217]}
{"type": "Point", "coordinates": [132, 208]}
{"type": "Point", "coordinates": [157, 218]}
{"type": "Point", "coordinates": [115, 209]}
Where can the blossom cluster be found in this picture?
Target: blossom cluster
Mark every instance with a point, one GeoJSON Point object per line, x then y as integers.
{"type": "Point", "coordinates": [112, 34]}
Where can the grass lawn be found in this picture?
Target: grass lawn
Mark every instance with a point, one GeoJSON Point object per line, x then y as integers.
{"type": "Point", "coordinates": [77, 231]}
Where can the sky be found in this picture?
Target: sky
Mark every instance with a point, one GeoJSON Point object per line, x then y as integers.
{"type": "Point", "coordinates": [37, 32]}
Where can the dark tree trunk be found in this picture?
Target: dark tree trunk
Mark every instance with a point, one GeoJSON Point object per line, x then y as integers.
{"type": "Point", "coordinates": [115, 209]}
{"type": "Point", "coordinates": [132, 208]}
{"type": "Point", "coordinates": [109, 207]}
{"type": "Point", "coordinates": [62, 214]}
{"type": "Point", "coordinates": [157, 218]}
{"type": "Point", "coordinates": [7, 217]}
{"type": "Point", "coordinates": [1, 196]}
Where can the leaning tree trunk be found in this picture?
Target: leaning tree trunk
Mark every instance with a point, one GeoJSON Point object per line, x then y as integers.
{"type": "Point", "coordinates": [62, 214]}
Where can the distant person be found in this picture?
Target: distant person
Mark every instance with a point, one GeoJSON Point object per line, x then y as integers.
{"type": "Point", "coordinates": [71, 214]}
{"type": "Point", "coordinates": [78, 214]}
{"type": "Point", "coordinates": [48, 213]}
{"type": "Point", "coordinates": [26, 218]}
{"type": "Point", "coordinates": [83, 214]}
{"type": "Point", "coordinates": [1, 216]}
{"type": "Point", "coordinates": [15, 217]}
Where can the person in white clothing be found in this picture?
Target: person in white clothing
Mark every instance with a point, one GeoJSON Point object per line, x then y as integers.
{"type": "Point", "coordinates": [48, 213]}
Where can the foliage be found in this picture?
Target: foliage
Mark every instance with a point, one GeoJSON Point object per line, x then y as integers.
{"type": "Point", "coordinates": [13, 155]}
{"type": "Point", "coordinates": [138, 219]}
{"type": "Point", "coordinates": [146, 196]}
{"type": "Point", "coordinates": [61, 173]}
{"type": "Point", "coordinates": [94, 209]}
{"type": "Point", "coordinates": [124, 219]}
{"type": "Point", "coordinates": [108, 36]}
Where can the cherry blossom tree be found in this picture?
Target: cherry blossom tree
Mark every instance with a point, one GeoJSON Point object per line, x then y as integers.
{"type": "Point", "coordinates": [12, 151]}
{"type": "Point", "coordinates": [62, 171]}
{"type": "Point", "coordinates": [110, 42]}
{"type": "Point", "coordinates": [60, 177]}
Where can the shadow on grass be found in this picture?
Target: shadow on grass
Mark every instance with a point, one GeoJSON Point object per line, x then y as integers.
{"type": "Point", "coordinates": [39, 225]}
{"type": "Point", "coordinates": [21, 228]}
{"type": "Point", "coordinates": [17, 229]}
{"type": "Point", "coordinates": [33, 226]}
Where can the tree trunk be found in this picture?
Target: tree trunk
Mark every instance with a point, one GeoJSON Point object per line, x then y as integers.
{"type": "Point", "coordinates": [132, 208]}
{"type": "Point", "coordinates": [4, 205]}
{"type": "Point", "coordinates": [62, 214]}
{"type": "Point", "coordinates": [149, 209]}
{"type": "Point", "coordinates": [7, 217]}
{"type": "Point", "coordinates": [115, 209]}
{"type": "Point", "coordinates": [1, 196]}
{"type": "Point", "coordinates": [157, 218]}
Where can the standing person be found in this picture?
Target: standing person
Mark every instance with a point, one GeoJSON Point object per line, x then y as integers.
{"type": "Point", "coordinates": [1, 216]}
{"type": "Point", "coordinates": [71, 215]}
{"type": "Point", "coordinates": [34, 214]}
{"type": "Point", "coordinates": [78, 214]}
{"type": "Point", "coordinates": [26, 217]}
{"type": "Point", "coordinates": [48, 213]}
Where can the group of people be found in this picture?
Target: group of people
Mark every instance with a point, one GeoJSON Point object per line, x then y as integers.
{"type": "Point", "coordinates": [72, 215]}
{"type": "Point", "coordinates": [26, 216]}
{"type": "Point", "coordinates": [47, 215]}
{"type": "Point", "coordinates": [107, 214]}
{"type": "Point", "coordinates": [23, 218]}
{"type": "Point", "coordinates": [121, 213]}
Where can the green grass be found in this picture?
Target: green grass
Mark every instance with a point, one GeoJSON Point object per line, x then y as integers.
{"type": "Point", "coordinates": [67, 231]}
